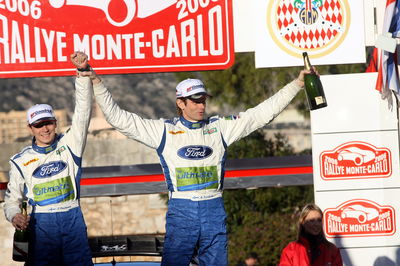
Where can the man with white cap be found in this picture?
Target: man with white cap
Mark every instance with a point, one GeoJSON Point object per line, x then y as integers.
{"type": "Point", "coordinates": [47, 174]}
{"type": "Point", "coordinates": [42, 124]}
{"type": "Point", "coordinates": [192, 152]}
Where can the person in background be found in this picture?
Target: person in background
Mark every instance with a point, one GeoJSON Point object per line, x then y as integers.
{"type": "Point", "coordinates": [192, 151]}
{"type": "Point", "coordinates": [47, 174]}
{"type": "Point", "coordinates": [251, 260]}
{"type": "Point", "coordinates": [311, 247]}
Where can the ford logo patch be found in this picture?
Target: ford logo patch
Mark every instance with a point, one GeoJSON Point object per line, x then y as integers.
{"type": "Point", "coordinates": [194, 152]}
{"type": "Point", "coordinates": [49, 169]}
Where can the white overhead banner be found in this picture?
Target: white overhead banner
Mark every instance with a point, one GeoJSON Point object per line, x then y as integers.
{"type": "Point", "coordinates": [331, 31]}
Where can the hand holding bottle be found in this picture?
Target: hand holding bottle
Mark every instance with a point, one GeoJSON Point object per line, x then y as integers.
{"type": "Point", "coordinates": [312, 83]}
{"type": "Point", "coordinates": [21, 235]}
{"type": "Point", "coordinates": [20, 221]}
{"type": "Point", "coordinates": [300, 78]}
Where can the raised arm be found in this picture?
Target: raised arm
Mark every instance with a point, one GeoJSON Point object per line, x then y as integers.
{"type": "Point", "coordinates": [76, 135]}
{"type": "Point", "coordinates": [256, 117]}
{"type": "Point", "coordinates": [147, 131]}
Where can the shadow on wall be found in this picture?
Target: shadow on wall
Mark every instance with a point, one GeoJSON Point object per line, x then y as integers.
{"type": "Point", "coordinates": [385, 261]}
{"type": "Point", "coordinates": [380, 261]}
{"type": "Point", "coordinates": [343, 252]}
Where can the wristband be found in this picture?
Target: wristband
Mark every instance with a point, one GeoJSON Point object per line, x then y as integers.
{"type": "Point", "coordinates": [87, 68]}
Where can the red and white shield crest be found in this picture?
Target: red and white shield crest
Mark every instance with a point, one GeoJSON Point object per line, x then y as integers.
{"type": "Point", "coordinates": [318, 26]}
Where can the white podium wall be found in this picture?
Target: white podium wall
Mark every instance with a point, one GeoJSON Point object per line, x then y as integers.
{"type": "Point", "coordinates": [355, 145]}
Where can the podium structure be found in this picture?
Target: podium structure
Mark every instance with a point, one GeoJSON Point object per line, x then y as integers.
{"type": "Point", "coordinates": [355, 147]}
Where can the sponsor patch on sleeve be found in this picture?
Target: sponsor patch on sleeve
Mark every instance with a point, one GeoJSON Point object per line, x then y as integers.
{"type": "Point", "coordinates": [231, 117]}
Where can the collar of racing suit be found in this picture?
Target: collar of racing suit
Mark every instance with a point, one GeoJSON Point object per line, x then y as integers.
{"type": "Point", "coordinates": [46, 149]}
{"type": "Point", "coordinates": [191, 125]}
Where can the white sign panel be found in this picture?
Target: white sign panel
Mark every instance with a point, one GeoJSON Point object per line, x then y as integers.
{"type": "Point", "coordinates": [361, 218]}
{"type": "Point", "coordinates": [244, 25]}
{"type": "Point", "coordinates": [353, 106]}
{"type": "Point", "coordinates": [359, 147]}
{"type": "Point", "coordinates": [356, 160]}
{"type": "Point", "coordinates": [331, 31]}
{"type": "Point", "coordinates": [355, 143]}
{"type": "Point", "coordinates": [387, 256]}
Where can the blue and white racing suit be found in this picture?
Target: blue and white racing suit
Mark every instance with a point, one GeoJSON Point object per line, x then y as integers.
{"type": "Point", "coordinates": [49, 177]}
{"type": "Point", "coordinates": [193, 156]}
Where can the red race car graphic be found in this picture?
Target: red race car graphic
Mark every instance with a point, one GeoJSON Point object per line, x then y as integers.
{"type": "Point", "coordinates": [359, 212]}
{"type": "Point", "coordinates": [139, 8]}
{"type": "Point", "coordinates": [357, 155]}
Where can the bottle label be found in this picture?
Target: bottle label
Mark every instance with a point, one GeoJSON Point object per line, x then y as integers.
{"type": "Point", "coordinates": [319, 100]}
{"type": "Point", "coordinates": [20, 249]}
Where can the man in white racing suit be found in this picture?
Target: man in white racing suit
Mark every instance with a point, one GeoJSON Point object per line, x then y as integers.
{"type": "Point", "coordinates": [192, 152]}
{"type": "Point", "coordinates": [47, 174]}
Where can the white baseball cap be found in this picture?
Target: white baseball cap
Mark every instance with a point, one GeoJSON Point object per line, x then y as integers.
{"type": "Point", "coordinates": [39, 113]}
{"type": "Point", "coordinates": [191, 87]}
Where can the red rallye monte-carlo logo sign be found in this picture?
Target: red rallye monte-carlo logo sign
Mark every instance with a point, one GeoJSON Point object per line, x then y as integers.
{"type": "Point", "coordinates": [359, 217]}
{"type": "Point", "coordinates": [355, 160]}
{"type": "Point", "coordinates": [119, 36]}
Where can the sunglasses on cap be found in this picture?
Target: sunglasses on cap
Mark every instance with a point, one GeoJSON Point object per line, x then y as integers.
{"type": "Point", "coordinates": [198, 98]}
{"type": "Point", "coordinates": [44, 123]}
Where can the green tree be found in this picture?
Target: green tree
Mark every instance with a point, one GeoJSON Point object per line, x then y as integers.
{"type": "Point", "coordinates": [262, 220]}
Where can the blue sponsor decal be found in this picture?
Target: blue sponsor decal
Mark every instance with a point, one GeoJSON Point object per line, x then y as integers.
{"type": "Point", "coordinates": [57, 199]}
{"type": "Point", "coordinates": [49, 169]}
{"type": "Point", "coordinates": [194, 152]}
{"type": "Point", "coordinates": [197, 186]}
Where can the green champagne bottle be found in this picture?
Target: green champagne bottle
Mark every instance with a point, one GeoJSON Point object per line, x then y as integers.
{"type": "Point", "coordinates": [312, 84]}
{"type": "Point", "coordinates": [20, 244]}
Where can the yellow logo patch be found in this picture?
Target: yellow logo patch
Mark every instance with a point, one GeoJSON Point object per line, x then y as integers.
{"type": "Point", "coordinates": [176, 132]}
{"type": "Point", "coordinates": [31, 161]}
